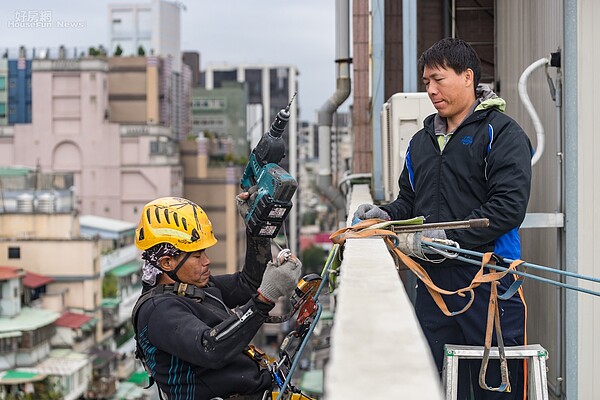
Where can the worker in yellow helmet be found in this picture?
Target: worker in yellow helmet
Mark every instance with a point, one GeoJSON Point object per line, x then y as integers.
{"type": "Point", "coordinates": [191, 328]}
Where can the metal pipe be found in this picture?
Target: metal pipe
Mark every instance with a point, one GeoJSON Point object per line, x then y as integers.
{"type": "Point", "coordinates": [558, 364]}
{"type": "Point", "coordinates": [537, 124]}
{"type": "Point", "coordinates": [325, 114]}
{"type": "Point", "coordinates": [409, 45]}
{"type": "Point", "coordinates": [571, 121]}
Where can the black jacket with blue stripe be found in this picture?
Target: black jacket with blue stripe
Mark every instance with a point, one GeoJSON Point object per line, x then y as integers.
{"type": "Point", "coordinates": [193, 344]}
{"type": "Point", "coordinates": [484, 171]}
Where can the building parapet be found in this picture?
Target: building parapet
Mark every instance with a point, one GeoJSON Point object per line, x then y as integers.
{"type": "Point", "coordinates": [374, 316]}
{"type": "Point", "coordinates": [145, 130]}
{"type": "Point", "coordinates": [7, 131]}
{"type": "Point", "coordinates": [84, 64]}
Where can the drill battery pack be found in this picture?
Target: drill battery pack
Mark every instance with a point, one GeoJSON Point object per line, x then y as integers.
{"type": "Point", "coordinates": [276, 187]}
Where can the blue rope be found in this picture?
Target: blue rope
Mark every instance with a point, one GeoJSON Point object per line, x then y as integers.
{"type": "Point", "coordinates": [528, 265]}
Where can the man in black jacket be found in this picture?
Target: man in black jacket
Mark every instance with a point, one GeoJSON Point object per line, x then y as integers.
{"type": "Point", "coordinates": [469, 161]}
{"type": "Point", "coordinates": [192, 328]}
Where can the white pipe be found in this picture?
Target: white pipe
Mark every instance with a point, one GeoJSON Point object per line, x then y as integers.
{"type": "Point", "coordinates": [537, 123]}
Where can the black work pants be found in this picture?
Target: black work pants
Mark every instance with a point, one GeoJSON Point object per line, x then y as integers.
{"type": "Point", "coordinates": [469, 329]}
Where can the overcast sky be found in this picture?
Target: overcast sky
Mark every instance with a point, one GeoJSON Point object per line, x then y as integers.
{"type": "Point", "coordinates": [299, 33]}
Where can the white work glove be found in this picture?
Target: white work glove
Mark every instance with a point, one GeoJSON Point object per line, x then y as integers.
{"type": "Point", "coordinates": [245, 201]}
{"type": "Point", "coordinates": [281, 277]}
{"type": "Point", "coordinates": [370, 211]}
{"type": "Point", "coordinates": [410, 243]}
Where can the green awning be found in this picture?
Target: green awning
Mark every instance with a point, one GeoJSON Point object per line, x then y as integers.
{"type": "Point", "coordinates": [15, 171]}
{"type": "Point", "coordinates": [312, 381]}
{"type": "Point", "coordinates": [16, 377]}
{"type": "Point", "coordinates": [110, 302]}
{"type": "Point", "coordinates": [91, 324]}
{"type": "Point", "coordinates": [139, 378]}
{"type": "Point", "coordinates": [126, 269]}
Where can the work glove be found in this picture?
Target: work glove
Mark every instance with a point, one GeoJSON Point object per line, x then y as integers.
{"type": "Point", "coordinates": [245, 201]}
{"type": "Point", "coordinates": [370, 211]}
{"type": "Point", "coordinates": [281, 277]}
{"type": "Point", "coordinates": [410, 243]}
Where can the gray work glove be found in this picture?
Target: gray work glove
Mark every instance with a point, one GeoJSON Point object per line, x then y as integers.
{"type": "Point", "coordinates": [410, 243]}
{"type": "Point", "coordinates": [369, 211]}
{"type": "Point", "coordinates": [245, 201]}
{"type": "Point", "coordinates": [281, 277]}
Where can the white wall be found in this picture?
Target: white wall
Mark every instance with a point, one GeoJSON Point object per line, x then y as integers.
{"type": "Point", "coordinates": [588, 195]}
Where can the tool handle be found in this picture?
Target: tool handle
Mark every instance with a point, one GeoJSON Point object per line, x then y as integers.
{"type": "Point", "coordinates": [467, 224]}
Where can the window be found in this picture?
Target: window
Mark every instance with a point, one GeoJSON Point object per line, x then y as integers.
{"type": "Point", "coordinates": [2, 110]}
{"type": "Point", "coordinates": [14, 253]}
{"type": "Point", "coordinates": [2, 83]}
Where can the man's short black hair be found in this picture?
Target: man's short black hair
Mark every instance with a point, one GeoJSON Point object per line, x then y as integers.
{"type": "Point", "coordinates": [454, 53]}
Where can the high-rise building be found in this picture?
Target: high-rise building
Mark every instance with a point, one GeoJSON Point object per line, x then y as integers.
{"type": "Point", "coordinates": [220, 116]}
{"type": "Point", "coordinates": [192, 60]}
{"type": "Point", "coordinates": [3, 91]}
{"type": "Point", "coordinates": [271, 87]}
{"type": "Point", "coordinates": [154, 27]}
{"type": "Point", "coordinates": [117, 168]}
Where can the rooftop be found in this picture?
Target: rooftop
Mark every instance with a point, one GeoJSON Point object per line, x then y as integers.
{"type": "Point", "coordinates": [28, 319]}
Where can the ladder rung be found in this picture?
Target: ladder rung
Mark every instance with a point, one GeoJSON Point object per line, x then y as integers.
{"type": "Point", "coordinates": [535, 353]}
{"type": "Point", "coordinates": [533, 350]}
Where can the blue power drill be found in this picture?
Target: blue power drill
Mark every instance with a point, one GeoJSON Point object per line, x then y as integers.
{"type": "Point", "coordinates": [275, 186]}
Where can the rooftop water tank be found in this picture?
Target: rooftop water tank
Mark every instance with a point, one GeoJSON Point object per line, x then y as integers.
{"type": "Point", "coordinates": [25, 203]}
{"type": "Point", "coordinates": [46, 203]}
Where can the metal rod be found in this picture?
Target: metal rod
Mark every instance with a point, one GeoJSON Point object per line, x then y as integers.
{"type": "Point", "coordinates": [508, 261]}
{"type": "Point", "coordinates": [467, 224]}
{"type": "Point", "coordinates": [534, 277]}
{"type": "Point", "coordinates": [288, 378]}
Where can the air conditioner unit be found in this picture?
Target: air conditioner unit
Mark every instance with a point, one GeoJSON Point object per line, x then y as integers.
{"type": "Point", "coordinates": [402, 116]}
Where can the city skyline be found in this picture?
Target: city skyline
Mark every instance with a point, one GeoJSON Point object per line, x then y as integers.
{"type": "Point", "coordinates": [269, 32]}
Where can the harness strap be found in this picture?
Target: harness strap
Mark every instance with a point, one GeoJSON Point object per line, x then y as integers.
{"type": "Point", "coordinates": [361, 230]}
{"type": "Point", "coordinates": [173, 274]}
{"type": "Point", "coordinates": [180, 289]}
{"type": "Point", "coordinates": [494, 320]}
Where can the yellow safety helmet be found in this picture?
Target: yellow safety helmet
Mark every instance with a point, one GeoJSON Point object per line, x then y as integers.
{"type": "Point", "coordinates": [177, 221]}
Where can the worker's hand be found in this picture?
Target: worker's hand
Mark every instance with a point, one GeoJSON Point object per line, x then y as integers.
{"type": "Point", "coordinates": [369, 211]}
{"type": "Point", "coordinates": [245, 200]}
{"type": "Point", "coordinates": [280, 277]}
{"type": "Point", "coordinates": [410, 243]}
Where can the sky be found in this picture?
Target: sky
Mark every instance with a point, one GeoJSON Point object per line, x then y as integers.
{"type": "Point", "coordinates": [299, 33]}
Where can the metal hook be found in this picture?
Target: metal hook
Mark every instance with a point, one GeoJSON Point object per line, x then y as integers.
{"type": "Point", "coordinates": [444, 253]}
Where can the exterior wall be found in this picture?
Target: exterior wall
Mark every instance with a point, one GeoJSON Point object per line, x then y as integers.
{"type": "Point", "coordinates": [127, 90]}
{"type": "Point", "coordinates": [588, 196]}
{"type": "Point", "coordinates": [272, 86]}
{"type": "Point", "coordinates": [216, 195]}
{"type": "Point", "coordinates": [4, 92]}
{"type": "Point", "coordinates": [19, 91]}
{"type": "Point", "coordinates": [166, 38]}
{"type": "Point", "coordinates": [222, 111]}
{"type": "Point", "coordinates": [526, 32]}
{"type": "Point", "coordinates": [74, 265]}
{"type": "Point", "coordinates": [23, 225]}
{"type": "Point", "coordinates": [70, 132]}
{"type": "Point", "coordinates": [130, 26]}
{"type": "Point", "coordinates": [10, 301]}
{"type": "Point", "coordinates": [363, 145]}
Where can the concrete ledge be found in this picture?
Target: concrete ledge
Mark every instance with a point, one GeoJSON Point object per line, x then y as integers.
{"type": "Point", "coordinates": [378, 350]}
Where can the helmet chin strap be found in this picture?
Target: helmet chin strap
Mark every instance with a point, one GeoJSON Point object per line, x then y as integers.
{"type": "Point", "coordinates": [173, 274]}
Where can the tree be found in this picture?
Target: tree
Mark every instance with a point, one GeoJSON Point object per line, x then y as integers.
{"type": "Point", "coordinates": [118, 50]}
{"type": "Point", "coordinates": [313, 259]}
{"type": "Point", "coordinates": [109, 286]}
{"type": "Point", "coordinates": [141, 51]}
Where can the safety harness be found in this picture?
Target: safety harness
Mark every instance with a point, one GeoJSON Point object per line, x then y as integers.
{"type": "Point", "coordinates": [179, 289]}
{"type": "Point", "coordinates": [361, 230]}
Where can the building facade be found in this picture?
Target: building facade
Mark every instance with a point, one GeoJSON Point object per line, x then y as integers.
{"type": "Point", "coordinates": [271, 87]}
{"type": "Point", "coordinates": [154, 27]}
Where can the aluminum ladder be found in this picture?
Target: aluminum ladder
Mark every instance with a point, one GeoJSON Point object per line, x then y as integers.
{"type": "Point", "coordinates": [535, 355]}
